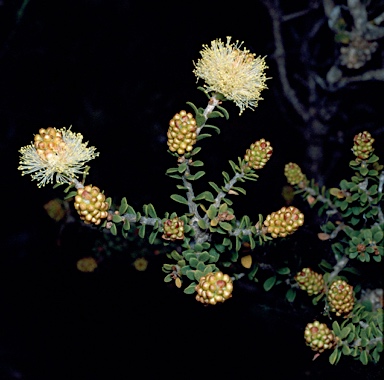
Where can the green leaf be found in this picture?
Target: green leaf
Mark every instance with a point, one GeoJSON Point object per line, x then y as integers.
{"type": "Point", "coordinates": [325, 264]}
{"type": "Point", "coordinates": [336, 328]}
{"type": "Point", "coordinates": [200, 118]}
{"type": "Point", "coordinates": [268, 284]}
{"type": "Point", "coordinates": [364, 171]}
{"type": "Point", "coordinates": [227, 201]}
{"type": "Point", "coordinates": [203, 257]}
{"type": "Point", "coordinates": [168, 278]}
{"type": "Point", "coordinates": [377, 236]}
{"type": "Point", "coordinates": [123, 206]}
{"type": "Point", "coordinates": [225, 226]}
{"type": "Point", "coordinates": [201, 223]}
{"type": "Point", "coordinates": [196, 176]}
{"type": "Point", "coordinates": [142, 231]}
{"type": "Point", "coordinates": [182, 168]}
{"type": "Point", "coordinates": [192, 106]}
{"type": "Point", "coordinates": [208, 269]}
{"type": "Point", "coordinates": [131, 211]}
{"type": "Point", "coordinates": [175, 176]}
{"type": "Point", "coordinates": [212, 212]}
{"type": "Point", "coordinates": [235, 168]}
{"type": "Point", "coordinates": [152, 237]}
{"type": "Point", "coordinates": [179, 198]}
{"type": "Point", "coordinates": [226, 176]}
{"type": "Point", "coordinates": [197, 163]}
{"type": "Point", "coordinates": [214, 114]}
{"type": "Point", "coordinates": [213, 256]}
{"type": "Point", "coordinates": [290, 295]}
{"type": "Point", "coordinates": [351, 337]}
{"type": "Point", "coordinates": [203, 136]}
{"type": "Point", "coordinates": [172, 170]}
{"type": "Point", "coordinates": [198, 274]}
{"type": "Point", "coordinates": [238, 243]}
{"type": "Point", "coordinates": [201, 266]}
{"type": "Point", "coordinates": [190, 274]}
{"type": "Point", "coordinates": [284, 270]}
{"type": "Point", "coordinates": [344, 332]}
{"type": "Point", "coordinates": [376, 355]}
{"type": "Point", "coordinates": [193, 262]}
{"type": "Point", "coordinates": [151, 211]}
{"type": "Point", "coordinates": [72, 194]}
{"type": "Point", "coordinates": [113, 229]}
{"type": "Point", "coordinates": [126, 225]}
{"type": "Point", "coordinates": [190, 289]}
{"type": "Point", "coordinates": [217, 188]}
{"type": "Point", "coordinates": [196, 150]}
{"type": "Point", "coordinates": [333, 357]}
{"type": "Point", "coordinates": [116, 218]}
{"type": "Point", "coordinates": [224, 111]}
{"type": "Point", "coordinates": [364, 357]}
{"type": "Point", "coordinates": [252, 242]}
{"type": "Point", "coordinates": [239, 189]}
{"type": "Point", "coordinates": [213, 127]}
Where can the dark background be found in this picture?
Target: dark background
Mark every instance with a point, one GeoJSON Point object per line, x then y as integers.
{"type": "Point", "coordinates": [117, 71]}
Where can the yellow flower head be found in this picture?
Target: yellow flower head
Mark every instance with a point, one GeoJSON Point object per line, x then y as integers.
{"type": "Point", "coordinates": [140, 264]}
{"type": "Point", "coordinates": [86, 264]}
{"type": "Point", "coordinates": [55, 154]}
{"type": "Point", "coordinates": [236, 74]}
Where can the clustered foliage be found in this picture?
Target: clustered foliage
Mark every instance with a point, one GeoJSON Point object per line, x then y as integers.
{"type": "Point", "coordinates": [204, 246]}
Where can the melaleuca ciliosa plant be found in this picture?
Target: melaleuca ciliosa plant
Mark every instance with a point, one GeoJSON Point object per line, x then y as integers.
{"type": "Point", "coordinates": [201, 243]}
{"type": "Point", "coordinates": [354, 224]}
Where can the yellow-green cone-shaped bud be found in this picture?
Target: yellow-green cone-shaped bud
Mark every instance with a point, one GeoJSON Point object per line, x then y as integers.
{"type": "Point", "coordinates": [48, 142]}
{"type": "Point", "coordinates": [213, 288]}
{"type": "Point", "coordinates": [284, 222]}
{"type": "Point", "coordinates": [341, 298]}
{"type": "Point", "coordinates": [182, 133]}
{"type": "Point", "coordinates": [294, 174]}
{"type": "Point", "coordinates": [258, 154]}
{"type": "Point", "coordinates": [90, 204]}
{"type": "Point", "coordinates": [319, 337]}
{"type": "Point", "coordinates": [310, 281]}
{"type": "Point", "coordinates": [173, 229]}
{"type": "Point", "coordinates": [363, 145]}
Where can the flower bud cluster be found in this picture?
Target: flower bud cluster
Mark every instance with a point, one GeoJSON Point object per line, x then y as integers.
{"type": "Point", "coordinates": [90, 205]}
{"type": "Point", "coordinates": [310, 281]}
{"type": "Point", "coordinates": [319, 337]}
{"type": "Point", "coordinates": [173, 229]}
{"type": "Point", "coordinates": [258, 154]}
{"type": "Point", "coordinates": [213, 288]}
{"type": "Point", "coordinates": [86, 264]}
{"type": "Point", "coordinates": [284, 222]}
{"type": "Point", "coordinates": [363, 145]}
{"type": "Point", "coordinates": [182, 133]}
{"type": "Point", "coordinates": [48, 142]}
{"type": "Point", "coordinates": [294, 174]}
{"type": "Point", "coordinates": [341, 298]}
{"type": "Point", "coordinates": [358, 52]}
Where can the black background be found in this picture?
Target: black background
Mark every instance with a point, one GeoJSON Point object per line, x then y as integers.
{"type": "Point", "coordinates": [117, 71]}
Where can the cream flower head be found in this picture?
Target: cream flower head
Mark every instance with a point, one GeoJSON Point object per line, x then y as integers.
{"type": "Point", "coordinates": [236, 74]}
{"type": "Point", "coordinates": [55, 154]}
